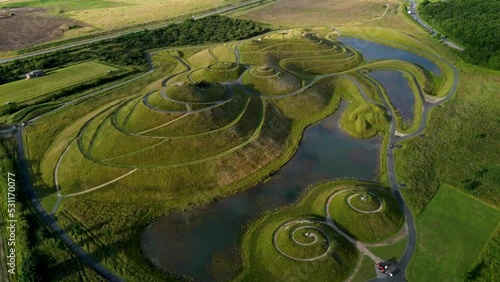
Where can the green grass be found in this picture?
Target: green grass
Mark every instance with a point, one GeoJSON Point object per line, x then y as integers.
{"type": "Point", "coordinates": [219, 72]}
{"type": "Point", "coordinates": [65, 5]}
{"type": "Point", "coordinates": [367, 227]}
{"type": "Point", "coordinates": [456, 150]}
{"type": "Point", "coordinates": [392, 251]}
{"type": "Point", "coordinates": [188, 160]}
{"type": "Point", "coordinates": [366, 270]}
{"type": "Point", "coordinates": [452, 231]}
{"type": "Point", "coordinates": [263, 262]}
{"type": "Point", "coordinates": [361, 119]}
{"type": "Point", "coordinates": [23, 90]}
{"type": "Point", "coordinates": [486, 268]}
{"type": "Point", "coordinates": [270, 83]}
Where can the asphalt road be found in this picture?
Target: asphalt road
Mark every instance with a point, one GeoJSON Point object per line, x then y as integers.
{"type": "Point", "coordinates": [416, 17]}
{"type": "Point", "coordinates": [88, 41]}
{"type": "Point", "coordinates": [399, 270]}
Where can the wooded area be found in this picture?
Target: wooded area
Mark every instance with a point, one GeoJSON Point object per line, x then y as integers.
{"type": "Point", "coordinates": [474, 23]}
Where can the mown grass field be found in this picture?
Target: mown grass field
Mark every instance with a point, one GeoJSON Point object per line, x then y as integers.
{"type": "Point", "coordinates": [23, 90]}
{"type": "Point", "coordinates": [452, 231]}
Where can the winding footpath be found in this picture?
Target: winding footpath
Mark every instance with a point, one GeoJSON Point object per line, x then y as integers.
{"type": "Point", "coordinates": [50, 222]}
{"type": "Point", "coordinates": [398, 270]}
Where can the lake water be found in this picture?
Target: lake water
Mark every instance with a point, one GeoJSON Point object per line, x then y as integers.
{"type": "Point", "coordinates": [398, 90]}
{"type": "Point", "coordinates": [204, 243]}
{"type": "Point", "coordinates": [372, 51]}
{"type": "Point", "coordinates": [191, 242]}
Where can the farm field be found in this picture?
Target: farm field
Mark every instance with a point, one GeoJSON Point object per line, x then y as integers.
{"type": "Point", "coordinates": [23, 90]}
{"type": "Point", "coordinates": [89, 16]}
{"type": "Point", "coordinates": [315, 13]}
{"type": "Point", "coordinates": [452, 230]}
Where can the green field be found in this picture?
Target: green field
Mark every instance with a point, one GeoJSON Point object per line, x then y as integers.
{"type": "Point", "coordinates": [190, 142]}
{"type": "Point", "coordinates": [23, 90]}
{"type": "Point", "coordinates": [452, 231]}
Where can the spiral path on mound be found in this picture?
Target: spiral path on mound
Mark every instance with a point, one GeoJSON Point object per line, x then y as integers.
{"type": "Point", "coordinates": [329, 224]}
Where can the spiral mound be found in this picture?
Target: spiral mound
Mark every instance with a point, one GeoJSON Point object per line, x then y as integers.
{"type": "Point", "coordinates": [303, 240]}
{"type": "Point", "coordinates": [365, 202]}
{"type": "Point", "coordinates": [264, 72]}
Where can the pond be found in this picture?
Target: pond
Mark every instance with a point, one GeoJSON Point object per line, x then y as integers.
{"type": "Point", "coordinates": [398, 90]}
{"type": "Point", "coordinates": [194, 243]}
{"type": "Point", "coordinates": [204, 243]}
{"type": "Point", "coordinates": [372, 51]}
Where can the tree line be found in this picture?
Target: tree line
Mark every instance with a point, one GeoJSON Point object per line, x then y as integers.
{"type": "Point", "coordinates": [474, 23]}
{"type": "Point", "coordinates": [128, 50]}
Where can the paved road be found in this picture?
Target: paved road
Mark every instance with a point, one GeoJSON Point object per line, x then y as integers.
{"type": "Point", "coordinates": [88, 41]}
{"type": "Point", "coordinates": [399, 270]}
{"type": "Point", "coordinates": [50, 221]}
{"type": "Point", "coordinates": [414, 14]}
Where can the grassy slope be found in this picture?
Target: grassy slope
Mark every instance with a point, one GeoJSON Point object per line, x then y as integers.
{"type": "Point", "coordinates": [316, 13]}
{"type": "Point", "coordinates": [452, 229]}
{"type": "Point", "coordinates": [263, 263]}
{"type": "Point", "coordinates": [456, 150]}
{"type": "Point", "coordinates": [368, 227]}
{"type": "Point", "coordinates": [26, 89]}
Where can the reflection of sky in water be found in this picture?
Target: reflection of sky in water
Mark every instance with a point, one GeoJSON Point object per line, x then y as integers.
{"type": "Point", "coordinates": [372, 51]}
{"type": "Point", "coordinates": [186, 243]}
{"type": "Point", "coordinates": [398, 90]}
{"type": "Point", "coordinates": [326, 152]}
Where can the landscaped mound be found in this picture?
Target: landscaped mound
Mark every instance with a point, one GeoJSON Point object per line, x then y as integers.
{"type": "Point", "coordinates": [219, 72]}
{"type": "Point", "coordinates": [364, 121]}
{"type": "Point", "coordinates": [201, 92]}
{"type": "Point", "coordinates": [367, 213]}
{"type": "Point", "coordinates": [269, 81]}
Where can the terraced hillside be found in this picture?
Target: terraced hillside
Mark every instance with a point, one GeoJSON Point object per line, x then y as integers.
{"type": "Point", "coordinates": [218, 121]}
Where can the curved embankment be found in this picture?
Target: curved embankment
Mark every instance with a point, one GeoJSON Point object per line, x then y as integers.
{"type": "Point", "coordinates": [115, 151]}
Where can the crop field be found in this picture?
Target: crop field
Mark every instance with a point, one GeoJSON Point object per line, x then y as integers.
{"type": "Point", "coordinates": [208, 123]}
{"type": "Point", "coordinates": [316, 13]}
{"type": "Point", "coordinates": [88, 16]}
{"type": "Point", "coordinates": [453, 230]}
{"type": "Point", "coordinates": [23, 90]}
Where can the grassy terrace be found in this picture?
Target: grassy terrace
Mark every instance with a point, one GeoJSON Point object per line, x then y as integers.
{"type": "Point", "coordinates": [218, 127]}
{"type": "Point", "coordinates": [23, 90]}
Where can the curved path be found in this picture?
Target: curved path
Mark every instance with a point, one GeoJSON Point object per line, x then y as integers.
{"type": "Point", "coordinates": [50, 222]}
{"type": "Point", "coordinates": [393, 139]}
{"type": "Point", "coordinates": [399, 270]}
{"type": "Point", "coordinates": [330, 223]}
